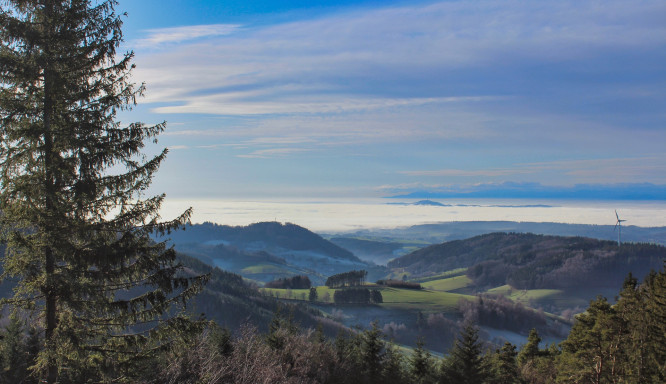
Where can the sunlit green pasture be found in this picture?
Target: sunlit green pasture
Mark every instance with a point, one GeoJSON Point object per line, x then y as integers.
{"type": "Point", "coordinates": [448, 284]}
{"type": "Point", "coordinates": [443, 275]}
{"type": "Point", "coordinates": [424, 300]}
{"type": "Point", "coordinates": [526, 296]}
{"type": "Point", "coordinates": [539, 297]}
{"type": "Point", "coordinates": [263, 268]}
{"type": "Point", "coordinates": [324, 294]}
{"type": "Point", "coordinates": [394, 298]}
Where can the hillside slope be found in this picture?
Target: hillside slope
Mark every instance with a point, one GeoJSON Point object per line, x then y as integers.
{"type": "Point", "coordinates": [266, 251]}
{"type": "Point", "coordinates": [232, 302]}
{"type": "Point", "coordinates": [379, 252]}
{"type": "Point", "coordinates": [528, 261]}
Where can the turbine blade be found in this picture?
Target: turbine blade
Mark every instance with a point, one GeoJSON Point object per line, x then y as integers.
{"type": "Point", "coordinates": [618, 217]}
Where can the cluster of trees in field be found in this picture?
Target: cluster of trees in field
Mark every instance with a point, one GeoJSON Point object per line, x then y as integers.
{"type": "Point", "coordinates": [500, 312]}
{"type": "Point", "coordinates": [294, 282]}
{"type": "Point", "coordinates": [358, 296]}
{"type": "Point", "coordinates": [347, 279]}
{"type": "Point", "coordinates": [399, 284]}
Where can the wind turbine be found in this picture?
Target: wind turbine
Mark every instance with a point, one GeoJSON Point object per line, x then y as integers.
{"type": "Point", "coordinates": [618, 226]}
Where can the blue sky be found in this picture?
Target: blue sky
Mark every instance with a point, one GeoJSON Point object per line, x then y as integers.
{"type": "Point", "coordinates": [310, 99]}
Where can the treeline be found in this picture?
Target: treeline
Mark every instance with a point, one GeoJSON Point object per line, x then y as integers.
{"type": "Point", "coordinates": [347, 279]}
{"type": "Point", "coordinates": [500, 312]}
{"type": "Point", "coordinates": [294, 282]}
{"type": "Point", "coordinates": [358, 296]}
{"type": "Point", "coordinates": [399, 284]}
{"type": "Point", "coordinates": [622, 343]}
{"type": "Point", "coordinates": [574, 262]}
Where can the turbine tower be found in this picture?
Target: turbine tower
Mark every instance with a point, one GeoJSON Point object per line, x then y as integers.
{"type": "Point", "coordinates": [618, 226]}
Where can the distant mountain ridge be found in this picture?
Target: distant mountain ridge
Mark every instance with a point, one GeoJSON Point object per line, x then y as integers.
{"type": "Point", "coordinates": [511, 190]}
{"type": "Point", "coordinates": [457, 230]}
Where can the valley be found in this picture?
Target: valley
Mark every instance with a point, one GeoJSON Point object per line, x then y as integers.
{"type": "Point", "coordinates": [506, 282]}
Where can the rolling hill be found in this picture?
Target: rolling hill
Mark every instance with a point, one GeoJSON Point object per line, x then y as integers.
{"type": "Point", "coordinates": [528, 261]}
{"type": "Point", "coordinates": [267, 251]}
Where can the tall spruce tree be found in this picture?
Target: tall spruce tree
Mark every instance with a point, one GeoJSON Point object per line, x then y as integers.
{"type": "Point", "coordinates": [72, 182]}
{"type": "Point", "coordinates": [466, 363]}
{"type": "Point", "coordinates": [594, 351]}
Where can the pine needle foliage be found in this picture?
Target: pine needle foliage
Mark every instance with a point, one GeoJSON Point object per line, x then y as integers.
{"type": "Point", "coordinates": [74, 214]}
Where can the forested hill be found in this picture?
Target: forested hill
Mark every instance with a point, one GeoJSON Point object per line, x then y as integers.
{"type": "Point", "coordinates": [529, 261]}
{"type": "Point", "coordinates": [232, 302]}
{"type": "Point", "coordinates": [260, 236]}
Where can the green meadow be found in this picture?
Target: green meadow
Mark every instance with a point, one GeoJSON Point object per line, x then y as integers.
{"type": "Point", "coordinates": [263, 268]}
{"type": "Point", "coordinates": [394, 298]}
{"type": "Point", "coordinates": [424, 300]}
{"type": "Point", "coordinates": [443, 275]}
{"type": "Point", "coordinates": [448, 284]}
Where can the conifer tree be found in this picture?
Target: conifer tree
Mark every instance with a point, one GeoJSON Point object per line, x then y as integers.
{"type": "Point", "coordinates": [421, 367]}
{"type": "Point", "coordinates": [654, 290]}
{"type": "Point", "coordinates": [593, 352]}
{"type": "Point", "coordinates": [466, 364]}
{"type": "Point", "coordinates": [313, 295]}
{"type": "Point", "coordinates": [72, 192]}
{"type": "Point", "coordinates": [505, 366]}
{"type": "Point", "coordinates": [372, 353]}
{"type": "Point", "coordinates": [13, 348]}
{"type": "Point", "coordinates": [643, 308]}
{"type": "Point", "coordinates": [393, 371]}
{"type": "Point", "coordinates": [530, 350]}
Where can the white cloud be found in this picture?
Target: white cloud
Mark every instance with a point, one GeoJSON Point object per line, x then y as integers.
{"type": "Point", "coordinates": [176, 147]}
{"type": "Point", "coordinates": [273, 152]}
{"type": "Point", "coordinates": [242, 104]}
{"type": "Point", "coordinates": [160, 36]}
{"type": "Point", "coordinates": [467, 173]}
{"type": "Point", "coordinates": [382, 58]}
{"type": "Point", "coordinates": [508, 77]}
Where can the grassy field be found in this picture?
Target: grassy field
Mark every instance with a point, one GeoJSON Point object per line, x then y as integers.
{"type": "Point", "coordinates": [448, 284]}
{"type": "Point", "coordinates": [410, 299]}
{"type": "Point", "coordinates": [541, 297]}
{"type": "Point", "coordinates": [263, 268]}
{"type": "Point", "coordinates": [443, 275]}
{"type": "Point", "coordinates": [325, 294]}
{"type": "Point", "coordinates": [424, 300]}
{"type": "Point", "coordinates": [526, 296]}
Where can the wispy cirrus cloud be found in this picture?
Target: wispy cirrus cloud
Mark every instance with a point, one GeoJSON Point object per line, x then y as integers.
{"type": "Point", "coordinates": [467, 173]}
{"type": "Point", "coordinates": [272, 152]}
{"type": "Point", "coordinates": [445, 92]}
{"type": "Point", "coordinates": [245, 104]}
{"type": "Point", "coordinates": [160, 36]}
{"type": "Point", "coordinates": [484, 56]}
